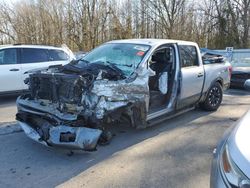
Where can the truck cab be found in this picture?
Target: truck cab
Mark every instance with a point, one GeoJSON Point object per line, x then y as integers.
{"type": "Point", "coordinates": [187, 80]}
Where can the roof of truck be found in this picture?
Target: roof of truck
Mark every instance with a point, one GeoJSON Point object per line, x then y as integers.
{"type": "Point", "coordinates": [153, 42]}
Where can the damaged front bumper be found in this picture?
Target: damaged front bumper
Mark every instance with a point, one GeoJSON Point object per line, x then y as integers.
{"type": "Point", "coordinates": [52, 130]}
{"type": "Point", "coordinates": [67, 137]}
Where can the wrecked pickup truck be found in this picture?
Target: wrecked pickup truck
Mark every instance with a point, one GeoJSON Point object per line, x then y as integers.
{"type": "Point", "coordinates": [140, 81]}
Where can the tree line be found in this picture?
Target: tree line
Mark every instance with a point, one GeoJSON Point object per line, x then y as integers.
{"type": "Point", "coordinates": [84, 24]}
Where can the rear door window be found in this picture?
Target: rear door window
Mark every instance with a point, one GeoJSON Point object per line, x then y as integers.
{"type": "Point", "coordinates": [8, 56]}
{"type": "Point", "coordinates": [57, 55]}
{"type": "Point", "coordinates": [188, 55]}
{"type": "Point", "coordinates": [34, 55]}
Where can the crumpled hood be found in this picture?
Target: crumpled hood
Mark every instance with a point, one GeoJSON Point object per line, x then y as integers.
{"type": "Point", "coordinates": [238, 144]}
{"type": "Point", "coordinates": [70, 107]}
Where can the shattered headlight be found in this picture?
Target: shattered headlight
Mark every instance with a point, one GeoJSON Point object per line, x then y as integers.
{"type": "Point", "coordinates": [233, 175]}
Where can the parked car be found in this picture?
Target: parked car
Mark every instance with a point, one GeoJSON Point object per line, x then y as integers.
{"type": "Point", "coordinates": [16, 60]}
{"type": "Point", "coordinates": [239, 76]}
{"type": "Point", "coordinates": [231, 162]}
{"type": "Point", "coordinates": [140, 81]}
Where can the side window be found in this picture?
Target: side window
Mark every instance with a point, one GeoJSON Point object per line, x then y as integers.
{"type": "Point", "coordinates": [189, 56]}
{"type": "Point", "coordinates": [8, 56]}
{"type": "Point", "coordinates": [34, 55]}
{"type": "Point", "coordinates": [57, 55]}
{"type": "Point", "coordinates": [162, 60]}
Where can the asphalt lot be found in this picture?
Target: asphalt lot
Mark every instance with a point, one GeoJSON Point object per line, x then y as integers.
{"type": "Point", "coordinates": [7, 109]}
{"type": "Point", "coordinates": [175, 153]}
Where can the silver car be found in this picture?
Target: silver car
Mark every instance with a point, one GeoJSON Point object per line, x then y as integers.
{"type": "Point", "coordinates": [231, 162]}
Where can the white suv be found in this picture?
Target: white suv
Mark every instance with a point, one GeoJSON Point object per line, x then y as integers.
{"type": "Point", "coordinates": [15, 60]}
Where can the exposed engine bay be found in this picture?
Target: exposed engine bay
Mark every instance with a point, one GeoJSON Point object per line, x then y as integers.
{"type": "Point", "coordinates": [69, 106]}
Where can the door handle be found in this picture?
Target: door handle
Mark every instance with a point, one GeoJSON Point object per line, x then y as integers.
{"type": "Point", "coordinates": [14, 69]}
{"type": "Point", "coordinates": [200, 75]}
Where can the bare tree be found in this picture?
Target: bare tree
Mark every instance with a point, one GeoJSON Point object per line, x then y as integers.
{"type": "Point", "coordinates": [84, 24]}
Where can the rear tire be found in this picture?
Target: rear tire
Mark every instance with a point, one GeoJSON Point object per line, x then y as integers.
{"type": "Point", "coordinates": [213, 98]}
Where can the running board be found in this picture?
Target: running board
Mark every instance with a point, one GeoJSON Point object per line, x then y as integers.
{"type": "Point", "coordinates": [158, 113]}
{"type": "Point", "coordinates": [152, 119]}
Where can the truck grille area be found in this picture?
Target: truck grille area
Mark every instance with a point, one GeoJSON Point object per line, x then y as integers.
{"type": "Point", "coordinates": [60, 88]}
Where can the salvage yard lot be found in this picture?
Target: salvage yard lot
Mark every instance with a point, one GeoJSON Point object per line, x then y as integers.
{"type": "Point", "coordinates": [174, 153]}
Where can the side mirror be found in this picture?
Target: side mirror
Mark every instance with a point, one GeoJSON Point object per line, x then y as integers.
{"type": "Point", "coordinates": [247, 85]}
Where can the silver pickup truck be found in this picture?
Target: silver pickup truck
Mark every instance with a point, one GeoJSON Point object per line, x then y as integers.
{"type": "Point", "coordinates": [139, 82]}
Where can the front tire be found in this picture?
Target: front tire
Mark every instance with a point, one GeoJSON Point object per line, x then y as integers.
{"type": "Point", "coordinates": [213, 98]}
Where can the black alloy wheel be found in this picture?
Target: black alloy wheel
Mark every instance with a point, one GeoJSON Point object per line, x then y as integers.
{"type": "Point", "coordinates": [214, 98]}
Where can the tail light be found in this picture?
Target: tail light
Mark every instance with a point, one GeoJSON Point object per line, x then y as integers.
{"type": "Point", "coordinates": [230, 69]}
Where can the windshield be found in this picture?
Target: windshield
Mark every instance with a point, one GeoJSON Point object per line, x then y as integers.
{"type": "Point", "coordinates": [124, 56]}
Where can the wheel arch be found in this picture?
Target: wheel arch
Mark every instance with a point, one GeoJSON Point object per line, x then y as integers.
{"type": "Point", "coordinates": [218, 80]}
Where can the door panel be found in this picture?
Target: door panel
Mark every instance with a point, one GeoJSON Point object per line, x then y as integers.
{"type": "Point", "coordinates": [191, 84]}
{"type": "Point", "coordinates": [192, 76]}
{"type": "Point", "coordinates": [10, 71]}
